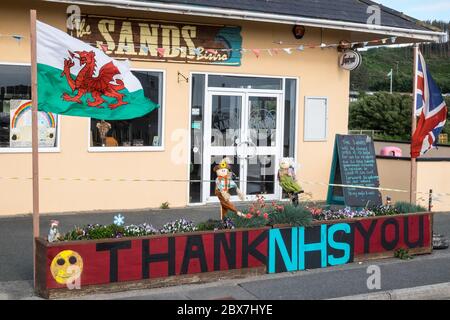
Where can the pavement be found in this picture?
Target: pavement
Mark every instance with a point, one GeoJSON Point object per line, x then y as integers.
{"type": "Point", "coordinates": [427, 275]}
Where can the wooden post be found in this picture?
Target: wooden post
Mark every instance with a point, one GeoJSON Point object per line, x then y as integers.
{"type": "Point", "coordinates": [430, 200]}
{"type": "Point", "coordinates": [34, 135]}
{"type": "Point", "coordinates": [413, 180]}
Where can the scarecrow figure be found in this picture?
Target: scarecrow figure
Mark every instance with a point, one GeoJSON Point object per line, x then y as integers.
{"type": "Point", "coordinates": [224, 183]}
{"type": "Point", "coordinates": [53, 234]}
{"type": "Point", "coordinates": [288, 181]}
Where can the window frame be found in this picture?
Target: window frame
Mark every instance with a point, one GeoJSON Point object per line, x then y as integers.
{"type": "Point", "coordinates": [57, 148]}
{"type": "Point", "coordinates": [142, 148]}
{"type": "Point", "coordinates": [327, 105]}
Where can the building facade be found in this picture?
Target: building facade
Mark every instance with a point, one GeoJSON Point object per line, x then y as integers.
{"type": "Point", "coordinates": [227, 85]}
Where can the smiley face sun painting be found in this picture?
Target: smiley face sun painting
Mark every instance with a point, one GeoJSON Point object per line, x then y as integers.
{"type": "Point", "coordinates": [66, 266]}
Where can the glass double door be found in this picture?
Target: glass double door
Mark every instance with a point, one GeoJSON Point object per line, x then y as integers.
{"type": "Point", "coordinates": [245, 128]}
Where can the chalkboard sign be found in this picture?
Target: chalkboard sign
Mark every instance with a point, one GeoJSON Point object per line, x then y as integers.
{"type": "Point", "coordinates": [354, 163]}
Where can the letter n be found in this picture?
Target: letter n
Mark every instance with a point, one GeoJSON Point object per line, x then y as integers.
{"type": "Point", "coordinates": [280, 257]}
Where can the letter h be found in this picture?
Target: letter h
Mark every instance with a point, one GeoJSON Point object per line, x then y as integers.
{"type": "Point", "coordinates": [148, 258]}
{"type": "Point", "coordinates": [308, 247]}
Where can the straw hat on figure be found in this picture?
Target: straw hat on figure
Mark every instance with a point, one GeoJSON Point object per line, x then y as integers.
{"type": "Point", "coordinates": [224, 183]}
{"type": "Point", "coordinates": [288, 180]}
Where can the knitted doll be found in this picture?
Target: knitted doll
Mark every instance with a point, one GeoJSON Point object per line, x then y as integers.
{"type": "Point", "coordinates": [287, 180]}
{"type": "Point", "coordinates": [224, 183]}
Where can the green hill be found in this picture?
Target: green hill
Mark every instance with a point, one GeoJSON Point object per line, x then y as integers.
{"type": "Point", "coordinates": [377, 63]}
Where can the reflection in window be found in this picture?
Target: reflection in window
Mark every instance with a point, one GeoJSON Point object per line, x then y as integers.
{"type": "Point", "coordinates": [263, 121]}
{"type": "Point", "coordinates": [226, 120]}
{"type": "Point", "coordinates": [139, 132]}
{"type": "Point", "coordinates": [290, 118]}
{"type": "Point", "coordinates": [261, 175]}
{"type": "Point", "coordinates": [15, 111]}
{"type": "Point", "coordinates": [197, 111]}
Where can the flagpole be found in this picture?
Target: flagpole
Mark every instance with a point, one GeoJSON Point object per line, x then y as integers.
{"type": "Point", "coordinates": [392, 79]}
{"type": "Point", "coordinates": [413, 180]}
{"type": "Point", "coordinates": [35, 137]}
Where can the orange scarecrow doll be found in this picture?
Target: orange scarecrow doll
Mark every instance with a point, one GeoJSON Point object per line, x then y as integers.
{"type": "Point", "coordinates": [224, 183]}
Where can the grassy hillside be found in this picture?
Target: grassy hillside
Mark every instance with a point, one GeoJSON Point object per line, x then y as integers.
{"type": "Point", "coordinates": [372, 75]}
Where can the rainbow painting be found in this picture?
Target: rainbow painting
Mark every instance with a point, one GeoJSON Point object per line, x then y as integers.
{"type": "Point", "coordinates": [23, 114]}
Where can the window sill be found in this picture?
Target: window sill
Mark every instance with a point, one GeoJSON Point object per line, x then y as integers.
{"type": "Point", "coordinates": [29, 150]}
{"type": "Point", "coordinates": [315, 140]}
{"type": "Point", "coordinates": [125, 149]}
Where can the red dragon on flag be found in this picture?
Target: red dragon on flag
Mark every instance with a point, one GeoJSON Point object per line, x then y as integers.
{"type": "Point", "coordinates": [85, 82]}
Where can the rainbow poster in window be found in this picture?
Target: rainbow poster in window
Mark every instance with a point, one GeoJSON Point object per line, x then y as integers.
{"type": "Point", "coordinates": [20, 126]}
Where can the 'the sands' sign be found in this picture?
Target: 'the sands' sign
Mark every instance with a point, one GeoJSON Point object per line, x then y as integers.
{"type": "Point", "coordinates": [156, 40]}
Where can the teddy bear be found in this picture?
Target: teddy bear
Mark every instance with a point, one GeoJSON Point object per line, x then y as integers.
{"type": "Point", "coordinates": [224, 182]}
{"type": "Point", "coordinates": [288, 181]}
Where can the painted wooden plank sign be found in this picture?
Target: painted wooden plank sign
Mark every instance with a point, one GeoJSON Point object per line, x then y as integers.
{"type": "Point", "coordinates": [140, 39]}
{"type": "Point", "coordinates": [354, 163]}
{"type": "Point", "coordinates": [79, 267]}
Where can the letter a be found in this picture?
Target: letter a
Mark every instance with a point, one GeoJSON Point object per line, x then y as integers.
{"type": "Point", "coordinates": [374, 280]}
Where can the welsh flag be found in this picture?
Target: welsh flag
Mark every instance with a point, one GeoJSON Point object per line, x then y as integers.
{"type": "Point", "coordinates": [77, 79]}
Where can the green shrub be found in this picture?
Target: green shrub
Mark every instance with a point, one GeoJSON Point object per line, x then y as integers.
{"type": "Point", "coordinates": [165, 205]}
{"type": "Point", "coordinates": [105, 232]}
{"type": "Point", "coordinates": [254, 221]}
{"type": "Point", "coordinates": [210, 225]}
{"type": "Point", "coordinates": [97, 231]}
{"type": "Point", "coordinates": [405, 207]}
{"type": "Point", "coordinates": [294, 216]}
{"type": "Point", "coordinates": [402, 254]}
{"type": "Point", "coordinates": [385, 210]}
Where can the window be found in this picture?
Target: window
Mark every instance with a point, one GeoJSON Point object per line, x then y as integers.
{"type": "Point", "coordinates": [290, 118]}
{"type": "Point", "coordinates": [144, 133]}
{"type": "Point", "coordinates": [197, 111]}
{"type": "Point", "coordinates": [316, 119]}
{"type": "Point", "coordinates": [223, 81]}
{"type": "Point", "coordinates": [15, 112]}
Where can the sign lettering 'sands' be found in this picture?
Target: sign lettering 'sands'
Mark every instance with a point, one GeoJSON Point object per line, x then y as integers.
{"type": "Point", "coordinates": [156, 40]}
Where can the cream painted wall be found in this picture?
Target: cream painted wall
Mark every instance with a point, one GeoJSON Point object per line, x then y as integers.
{"type": "Point", "coordinates": [434, 176]}
{"type": "Point", "coordinates": [394, 174]}
{"type": "Point", "coordinates": [317, 70]}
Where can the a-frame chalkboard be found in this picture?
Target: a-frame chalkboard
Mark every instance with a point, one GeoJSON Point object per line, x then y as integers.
{"type": "Point", "coordinates": [354, 163]}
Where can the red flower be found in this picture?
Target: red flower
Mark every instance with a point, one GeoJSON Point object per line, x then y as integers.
{"type": "Point", "coordinates": [249, 216]}
{"type": "Point", "coordinates": [266, 215]}
{"type": "Point", "coordinates": [258, 212]}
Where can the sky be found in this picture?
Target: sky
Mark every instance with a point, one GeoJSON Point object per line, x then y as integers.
{"type": "Point", "coordinates": [423, 10]}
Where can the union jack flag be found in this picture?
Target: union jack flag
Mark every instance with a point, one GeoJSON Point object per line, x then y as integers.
{"type": "Point", "coordinates": [430, 108]}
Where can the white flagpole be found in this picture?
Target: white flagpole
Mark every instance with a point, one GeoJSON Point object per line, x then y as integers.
{"type": "Point", "coordinates": [35, 137]}
{"type": "Point", "coordinates": [413, 180]}
{"type": "Point", "coordinates": [392, 79]}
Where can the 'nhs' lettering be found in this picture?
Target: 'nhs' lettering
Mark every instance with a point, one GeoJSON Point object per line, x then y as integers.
{"type": "Point", "coordinates": [303, 248]}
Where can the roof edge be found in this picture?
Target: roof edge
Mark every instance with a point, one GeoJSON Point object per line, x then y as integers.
{"type": "Point", "coordinates": [413, 34]}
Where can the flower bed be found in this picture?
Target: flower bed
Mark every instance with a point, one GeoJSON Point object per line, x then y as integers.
{"type": "Point", "coordinates": [109, 258]}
